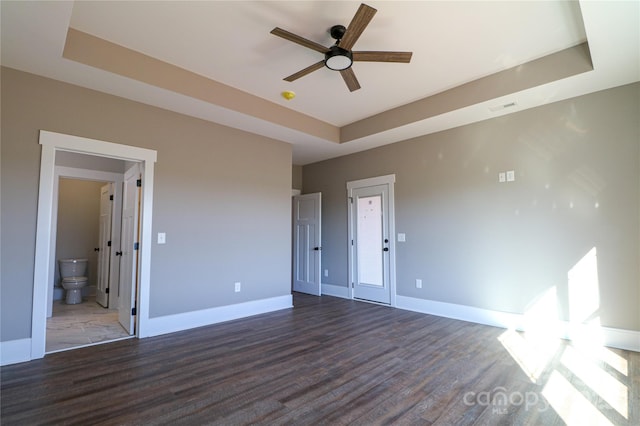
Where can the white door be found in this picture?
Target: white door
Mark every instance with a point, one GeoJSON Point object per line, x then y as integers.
{"type": "Point", "coordinates": [371, 230]}
{"type": "Point", "coordinates": [306, 243]}
{"type": "Point", "coordinates": [104, 244]}
{"type": "Point", "coordinates": [129, 249]}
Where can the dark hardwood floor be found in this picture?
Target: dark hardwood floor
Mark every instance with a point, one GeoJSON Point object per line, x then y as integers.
{"type": "Point", "coordinates": [327, 361]}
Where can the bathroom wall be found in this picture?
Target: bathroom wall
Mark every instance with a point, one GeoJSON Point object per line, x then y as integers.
{"type": "Point", "coordinates": [78, 224]}
{"type": "Point", "coordinates": [566, 232]}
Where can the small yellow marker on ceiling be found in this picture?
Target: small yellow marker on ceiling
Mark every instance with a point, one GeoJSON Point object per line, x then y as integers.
{"type": "Point", "coordinates": [288, 95]}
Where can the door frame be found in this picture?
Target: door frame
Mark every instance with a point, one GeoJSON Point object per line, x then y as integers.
{"type": "Point", "coordinates": [51, 143]}
{"type": "Point", "coordinates": [389, 181]}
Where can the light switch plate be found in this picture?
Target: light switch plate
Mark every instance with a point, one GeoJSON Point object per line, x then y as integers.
{"type": "Point", "coordinates": [502, 177]}
{"type": "Point", "coordinates": [162, 238]}
{"type": "Point", "coordinates": [402, 238]}
{"type": "Point", "coordinates": [511, 176]}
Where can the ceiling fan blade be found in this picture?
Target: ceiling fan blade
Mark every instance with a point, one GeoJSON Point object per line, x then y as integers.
{"type": "Point", "coordinates": [349, 77]}
{"type": "Point", "coordinates": [371, 56]}
{"type": "Point", "coordinates": [360, 20]}
{"type": "Point", "coordinates": [299, 40]}
{"type": "Point", "coordinates": [307, 70]}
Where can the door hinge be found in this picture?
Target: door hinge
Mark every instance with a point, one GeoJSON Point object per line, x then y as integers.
{"type": "Point", "coordinates": [110, 197]}
{"type": "Point", "coordinates": [136, 246]}
{"type": "Point", "coordinates": [139, 183]}
{"type": "Point", "coordinates": [133, 311]}
{"type": "Point", "coordinates": [106, 290]}
{"type": "Point", "coordinates": [108, 243]}
{"type": "Point", "coordinates": [351, 200]}
{"type": "Point", "coordinates": [351, 242]}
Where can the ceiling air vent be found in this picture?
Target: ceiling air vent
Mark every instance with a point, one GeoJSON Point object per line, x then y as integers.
{"type": "Point", "coordinates": [497, 108]}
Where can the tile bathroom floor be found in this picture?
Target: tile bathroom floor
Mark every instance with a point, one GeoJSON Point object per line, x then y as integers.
{"type": "Point", "coordinates": [82, 324]}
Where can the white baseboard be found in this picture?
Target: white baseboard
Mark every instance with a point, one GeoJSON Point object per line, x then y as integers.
{"type": "Point", "coordinates": [335, 290]}
{"type": "Point", "coordinates": [460, 312]}
{"type": "Point", "coordinates": [606, 336]}
{"type": "Point", "coordinates": [179, 322]}
{"type": "Point", "coordinates": [15, 351]}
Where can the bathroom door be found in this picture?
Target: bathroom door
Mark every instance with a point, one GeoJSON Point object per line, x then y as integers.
{"type": "Point", "coordinates": [129, 249]}
{"type": "Point", "coordinates": [104, 244]}
{"type": "Point", "coordinates": [306, 243]}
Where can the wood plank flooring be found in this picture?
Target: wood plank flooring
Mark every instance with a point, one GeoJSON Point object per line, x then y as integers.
{"type": "Point", "coordinates": [327, 361]}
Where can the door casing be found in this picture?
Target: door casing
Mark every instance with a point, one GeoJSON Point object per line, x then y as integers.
{"type": "Point", "coordinates": [389, 181]}
{"type": "Point", "coordinates": [44, 253]}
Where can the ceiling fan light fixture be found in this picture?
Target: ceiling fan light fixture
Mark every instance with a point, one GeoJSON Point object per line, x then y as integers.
{"type": "Point", "coordinates": [338, 59]}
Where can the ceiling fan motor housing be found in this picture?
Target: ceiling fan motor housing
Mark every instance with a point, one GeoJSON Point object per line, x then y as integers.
{"type": "Point", "coordinates": [337, 31]}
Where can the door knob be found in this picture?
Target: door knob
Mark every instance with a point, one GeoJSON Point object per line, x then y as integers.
{"type": "Point", "coordinates": [118, 253]}
{"type": "Point", "coordinates": [96, 249]}
{"type": "Point", "coordinates": [385, 249]}
{"type": "Point", "coordinates": [317, 248]}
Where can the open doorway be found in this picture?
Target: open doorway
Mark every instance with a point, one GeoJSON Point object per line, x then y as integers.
{"type": "Point", "coordinates": [87, 218]}
{"type": "Point", "coordinates": [53, 143]}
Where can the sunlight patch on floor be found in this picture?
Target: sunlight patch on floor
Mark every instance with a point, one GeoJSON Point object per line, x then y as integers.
{"type": "Point", "coordinates": [532, 353]}
{"type": "Point", "coordinates": [614, 360]}
{"type": "Point", "coordinates": [534, 349]}
{"type": "Point", "coordinates": [571, 405]}
{"type": "Point", "coordinates": [598, 380]}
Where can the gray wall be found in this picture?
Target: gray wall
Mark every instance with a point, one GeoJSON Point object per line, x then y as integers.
{"type": "Point", "coordinates": [78, 223]}
{"type": "Point", "coordinates": [296, 172]}
{"type": "Point", "coordinates": [500, 246]}
{"type": "Point", "coordinates": [221, 195]}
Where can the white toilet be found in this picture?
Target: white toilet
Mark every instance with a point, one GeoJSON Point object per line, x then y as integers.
{"type": "Point", "coordinates": [73, 276]}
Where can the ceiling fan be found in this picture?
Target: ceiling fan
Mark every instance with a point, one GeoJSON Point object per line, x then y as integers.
{"type": "Point", "coordinates": [340, 57]}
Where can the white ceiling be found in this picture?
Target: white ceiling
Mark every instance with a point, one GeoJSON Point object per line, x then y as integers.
{"type": "Point", "coordinates": [452, 42]}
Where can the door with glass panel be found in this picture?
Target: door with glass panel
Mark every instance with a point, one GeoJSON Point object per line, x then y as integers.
{"type": "Point", "coordinates": [371, 248]}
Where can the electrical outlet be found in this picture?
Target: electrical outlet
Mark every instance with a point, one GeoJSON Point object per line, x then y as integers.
{"type": "Point", "coordinates": [418, 283]}
{"type": "Point", "coordinates": [511, 175]}
{"type": "Point", "coordinates": [237, 287]}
